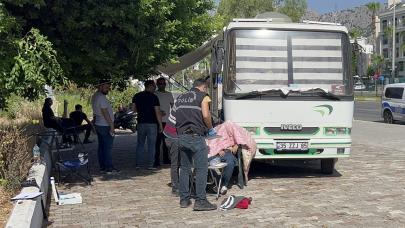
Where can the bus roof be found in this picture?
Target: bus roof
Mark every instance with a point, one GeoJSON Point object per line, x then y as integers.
{"type": "Point", "coordinates": [293, 26]}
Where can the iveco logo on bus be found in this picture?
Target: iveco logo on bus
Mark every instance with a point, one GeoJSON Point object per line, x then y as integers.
{"type": "Point", "coordinates": [291, 127]}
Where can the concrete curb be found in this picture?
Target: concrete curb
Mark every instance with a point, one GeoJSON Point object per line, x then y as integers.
{"type": "Point", "coordinates": [28, 213]}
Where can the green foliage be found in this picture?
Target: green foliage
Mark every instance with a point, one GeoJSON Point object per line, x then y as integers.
{"type": "Point", "coordinates": [27, 62]}
{"type": "Point", "coordinates": [120, 38]}
{"type": "Point", "coordinates": [295, 9]}
{"type": "Point", "coordinates": [378, 62]}
{"type": "Point", "coordinates": [35, 66]}
{"type": "Point", "coordinates": [21, 108]}
{"type": "Point", "coordinates": [230, 9]}
{"type": "Point", "coordinates": [355, 33]}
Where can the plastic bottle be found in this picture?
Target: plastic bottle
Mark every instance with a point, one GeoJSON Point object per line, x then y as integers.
{"type": "Point", "coordinates": [36, 153]}
{"type": "Point", "coordinates": [81, 157]}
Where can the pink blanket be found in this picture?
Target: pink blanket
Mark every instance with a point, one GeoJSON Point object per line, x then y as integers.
{"type": "Point", "coordinates": [232, 134]}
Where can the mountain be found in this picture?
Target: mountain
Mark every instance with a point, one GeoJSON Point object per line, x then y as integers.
{"type": "Point", "coordinates": [358, 17]}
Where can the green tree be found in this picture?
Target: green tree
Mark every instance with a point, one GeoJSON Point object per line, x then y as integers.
{"type": "Point", "coordinates": [373, 7]}
{"type": "Point", "coordinates": [355, 33]}
{"type": "Point", "coordinates": [378, 62]}
{"type": "Point", "coordinates": [27, 62]}
{"type": "Point", "coordinates": [230, 9]}
{"type": "Point", "coordinates": [295, 9]}
{"type": "Point", "coordinates": [118, 38]}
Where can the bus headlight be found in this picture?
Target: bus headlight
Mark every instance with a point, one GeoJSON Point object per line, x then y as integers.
{"type": "Point", "coordinates": [332, 131]}
{"type": "Point", "coordinates": [253, 130]}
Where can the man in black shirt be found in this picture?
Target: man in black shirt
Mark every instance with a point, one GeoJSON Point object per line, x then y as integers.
{"type": "Point", "coordinates": [78, 116]}
{"type": "Point", "coordinates": [146, 104]}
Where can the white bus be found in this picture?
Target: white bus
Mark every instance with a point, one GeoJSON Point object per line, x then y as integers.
{"type": "Point", "coordinates": [289, 84]}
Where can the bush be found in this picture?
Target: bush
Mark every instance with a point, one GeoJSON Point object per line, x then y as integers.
{"type": "Point", "coordinates": [15, 156]}
{"type": "Point", "coordinates": [22, 109]}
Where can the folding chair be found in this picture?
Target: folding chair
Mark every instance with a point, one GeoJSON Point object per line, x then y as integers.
{"type": "Point", "coordinates": [241, 178]}
{"type": "Point", "coordinates": [218, 168]}
{"type": "Point", "coordinates": [77, 161]}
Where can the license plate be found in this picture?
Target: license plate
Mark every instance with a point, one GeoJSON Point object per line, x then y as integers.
{"type": "Point", "coordinates": [292, 146]}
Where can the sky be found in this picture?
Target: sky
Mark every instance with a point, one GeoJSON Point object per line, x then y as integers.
{"type": "Point", "coordinates": [325, 6]}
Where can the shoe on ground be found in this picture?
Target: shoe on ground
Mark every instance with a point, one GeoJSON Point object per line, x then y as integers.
{"type": "Point", "coordinates": [113, 171]}
{"type": "Point", "coordinates": [137, 167]}
{"type": "Point", "coordinates": [185, 203]}
{"type": "Point", "coordinates": [223, 190]}
{"type": "Point", "coordinates": [175, 192]}
{"type": "Point", "coordinates": [151, 168]}
{"type": "Point", "coordinates": [204, 205]}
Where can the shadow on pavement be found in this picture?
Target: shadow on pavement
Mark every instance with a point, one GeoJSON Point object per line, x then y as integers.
{"type": "Point", "coordinates": [288, 169]}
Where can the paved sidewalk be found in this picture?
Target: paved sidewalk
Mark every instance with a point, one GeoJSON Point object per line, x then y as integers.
{"type": "Point", "coordinates": [368, 190]}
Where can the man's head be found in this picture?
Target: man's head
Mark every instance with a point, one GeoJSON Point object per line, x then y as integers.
{"type": "Point", "coordinates": [48, 101]}
{"type": "Point", "coordinates": [201, 84]}
{"type": "Point", "coordinates": [78, 107]}
{"type": "Point", "coordinates": [104, 86]}
{"type": "Point", "coordinates": [161, 84]}
{"type": "Point", "coordinates": [150, 86]}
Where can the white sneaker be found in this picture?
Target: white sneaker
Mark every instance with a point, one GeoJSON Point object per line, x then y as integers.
{"type": "Point", "coordinates": [223, 190]}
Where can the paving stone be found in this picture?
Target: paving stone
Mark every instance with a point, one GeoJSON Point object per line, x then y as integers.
{"type": "Point", "coordinates": [367, 190]}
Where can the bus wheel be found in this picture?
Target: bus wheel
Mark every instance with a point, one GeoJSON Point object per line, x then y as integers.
{"type": "Point", "coordinates": [388, 117]}
{"type": "Point", "coordinates": [328, 165]}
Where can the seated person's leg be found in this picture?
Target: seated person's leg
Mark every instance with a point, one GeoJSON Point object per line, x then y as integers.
{"type": "Point", "coordinates": [228, 158]}
{"type": "Point", "coordinates": [88, 132]}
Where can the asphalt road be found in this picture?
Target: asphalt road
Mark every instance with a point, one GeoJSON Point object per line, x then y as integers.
{"type": "Point", "coordinates": [367, 111]}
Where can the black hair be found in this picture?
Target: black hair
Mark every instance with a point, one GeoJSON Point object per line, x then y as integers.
{"type": "Point", "coordinates": [161, 79]}
{"type": "Point", "coordinates": [199, 82]}
{"type": "Point", "coordinates": [47, 101]}
{"type": "Point", "coordinates": [149, 83]}
{"type": "Point", "coordinates": [78, 107]}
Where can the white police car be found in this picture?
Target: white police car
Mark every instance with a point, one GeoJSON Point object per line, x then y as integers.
{"type": "Point", "coordinates": [393, 103]}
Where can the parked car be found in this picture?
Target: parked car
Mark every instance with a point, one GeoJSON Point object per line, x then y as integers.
{"type": "Point", "coordinates": [393, 103]}
{"type": "Point", "coordinates": [359, 86]}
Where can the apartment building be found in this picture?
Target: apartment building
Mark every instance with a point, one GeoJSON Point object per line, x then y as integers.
{"type": "Point", "coordinates": [386, 37]}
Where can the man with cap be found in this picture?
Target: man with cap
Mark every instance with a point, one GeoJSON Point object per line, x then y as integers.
{"type": "Point", "coordinates": [104, 125]}
{"type": "Point", "coordinates": [193, 124]}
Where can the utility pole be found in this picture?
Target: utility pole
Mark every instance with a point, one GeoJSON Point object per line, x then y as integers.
{"type": "Point", "coordinates": [393, 43]}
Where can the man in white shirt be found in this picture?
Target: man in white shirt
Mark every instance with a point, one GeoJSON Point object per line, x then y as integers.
{"type": "Point", "coordinates": [166, 102]}
{"type": "Point", "coordinates": [104, 125]}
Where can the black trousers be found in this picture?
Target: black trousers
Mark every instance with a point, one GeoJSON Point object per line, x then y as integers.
{"type": "Point", "coordinates": [161, 143]}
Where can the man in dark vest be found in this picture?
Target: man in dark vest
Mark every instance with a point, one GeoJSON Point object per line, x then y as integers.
{"type": "Point", "coordinates": [193, 124]}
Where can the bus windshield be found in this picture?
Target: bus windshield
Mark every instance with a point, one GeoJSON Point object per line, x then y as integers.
{"type": "Point", "coordinates": [298, 60]}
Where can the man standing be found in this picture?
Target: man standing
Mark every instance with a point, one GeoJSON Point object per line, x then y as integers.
{"type": "Point", "coordinates": [103, 121]}
{"type": "Point", "coordinates": [193, 122]}
{"type": "Point", "coordinates": [78, 116]}
{"type": "Point", "coordinates": [166, 101]}
{"type": "Point", "coordinates": [146, 104]}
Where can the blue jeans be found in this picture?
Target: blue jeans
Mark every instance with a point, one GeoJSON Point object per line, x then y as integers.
{"type": "Point", "coordinates": [105, 143]}
{"type": "Point", "coordinates": [146, 132]}
{"type": "Point", "coordinates": [193, 150]}
{"type": "Point", "coordinates": [230, 160]}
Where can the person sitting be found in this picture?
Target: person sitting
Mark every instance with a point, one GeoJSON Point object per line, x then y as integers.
{"type": "Point", "coordinates": [51, 121]}
{"type": "Point", "coordinates": [227, 156]}
{"type": "Point", "coordinates": [78, 116]}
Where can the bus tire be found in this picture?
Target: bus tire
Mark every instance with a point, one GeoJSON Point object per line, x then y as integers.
{"type": "Point", "coordinates": [328, 165]}
{"type": "Point", "coordinates": [388, 118]}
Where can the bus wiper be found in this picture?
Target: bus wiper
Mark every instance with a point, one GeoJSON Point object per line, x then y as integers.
{"type": "Point", "coordinates": [256, 93]}
{"type": "Point", "coordinates": [328, 95]}
{"type": "Point", "coordinates": [323, 93]}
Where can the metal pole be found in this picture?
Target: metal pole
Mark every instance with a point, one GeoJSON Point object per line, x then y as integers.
{"type": "Point", "coordinates": [393, 44]}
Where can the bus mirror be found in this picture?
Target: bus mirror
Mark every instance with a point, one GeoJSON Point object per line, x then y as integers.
{"type": "Point", "coordinates": [217, 56]}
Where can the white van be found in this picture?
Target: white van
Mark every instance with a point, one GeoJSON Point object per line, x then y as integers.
{"type": "Point", "coordinates": [393, 103]}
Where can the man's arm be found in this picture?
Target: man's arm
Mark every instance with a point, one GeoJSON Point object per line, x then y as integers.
{"type": "Point", "coordinates": [106, 115]}
{"type": "Point", "coordinates": [205, 108]}
{"type": "Point", "coordinates": [158, 114]}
